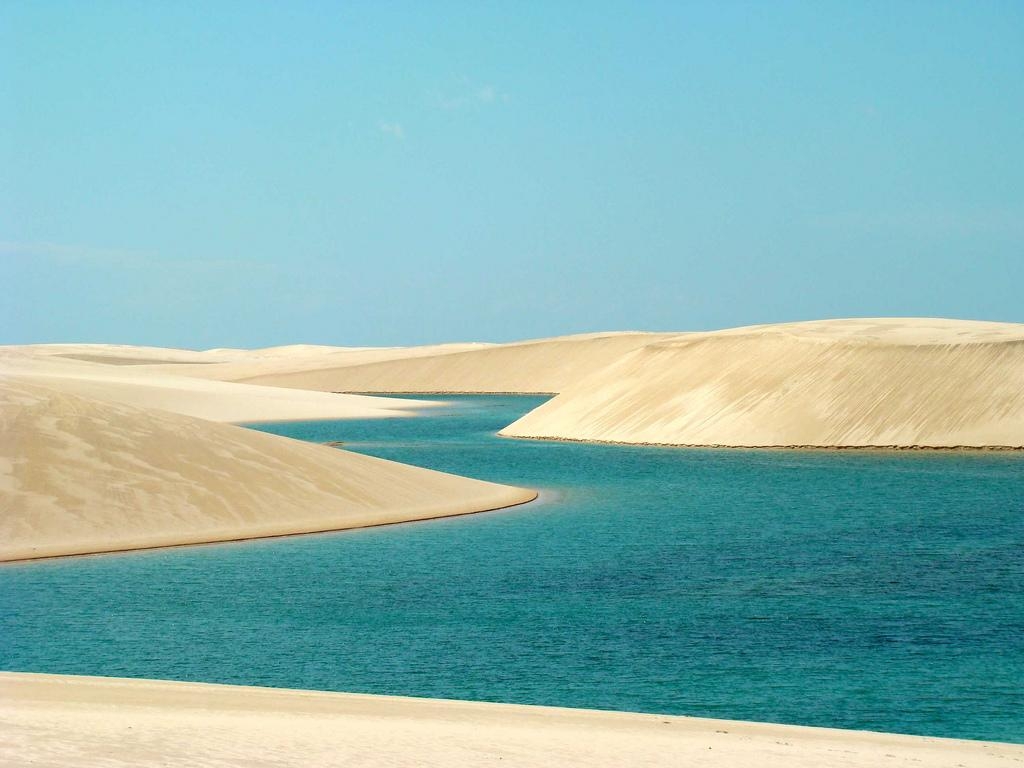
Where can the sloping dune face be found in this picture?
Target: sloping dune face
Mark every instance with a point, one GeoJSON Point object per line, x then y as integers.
{"type": "Point", "coordinates": [543, 366]}
{"type": "Point", "coordinates": [79, 476]}
{"type": "Point", "coordinates": [841, 383]}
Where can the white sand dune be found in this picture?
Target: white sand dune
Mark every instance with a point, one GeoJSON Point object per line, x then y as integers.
{"type": "Point", "coordinates": [238, 365]}
{"type": "Point", "coordinates": [207, 399]}
{"type": "Point", "coordinates": [120, 354]}
{"type": "Point", "coordinates": [540, 366]}
{"type": "Point", "coordinates": [854, 383]}
{"type": "Point", "coordinates": [55, 721]}
{"type": "Point", "coordinates": [128, 354]}
{"type": "Point", "coordinates": [224, 364]}
{"type": "Point", "coordinates": [79, 475]}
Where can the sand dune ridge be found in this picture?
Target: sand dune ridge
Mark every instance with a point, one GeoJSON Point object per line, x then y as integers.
{"type": "Point", "coordinates": [846, 383]}
{"type": "Point", "coordinates": [81, 476]}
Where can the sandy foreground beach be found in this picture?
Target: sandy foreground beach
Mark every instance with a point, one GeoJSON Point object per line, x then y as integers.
{"type": "Point", "coordinates": [895, 382]}
{"type": "Point", "coordinates": [53, 720]}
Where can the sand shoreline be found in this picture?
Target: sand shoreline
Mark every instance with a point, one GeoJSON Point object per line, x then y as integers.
{"type": "Point", "coordinates": [260, 536]}
{"type": "Point", "coordinates": [761, 448]}
{"type": "Point", "coordinates": [64, 720]}
{"type": "Point", "coordinates": [406, 413]}
{"type": "Point", "coordinates": [83, 476]}
{"type": "Point", "coordinates": [873, 383]}
{"type": "Point", "coordinates": [388, 393]}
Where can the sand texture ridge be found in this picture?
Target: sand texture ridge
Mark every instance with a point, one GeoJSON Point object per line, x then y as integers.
{"type": "Point", "coordinates": [227, 364]}
{"type": "Point", "coordinates": [896, 382]}
{"type": "Point", "coordinates": [241, 365]}
{"type": "Point", "coordinates": [61, 721]}
{"type": "Point", "coordinates": [79, 475]}
{"type": "Point", "coordinates": [81, 370]}
{"type": "Point", "coordinates": [541, 366]}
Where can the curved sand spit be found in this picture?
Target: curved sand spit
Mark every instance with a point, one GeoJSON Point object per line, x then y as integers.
{"type": "Point", "coordinates": [835, 383]}
{"type": "Point", "coordinates": [50, 720]}
{"type": "Point", "coordinates": [541, 366]}
{"type": "Point", "coordinates": [79, 475]}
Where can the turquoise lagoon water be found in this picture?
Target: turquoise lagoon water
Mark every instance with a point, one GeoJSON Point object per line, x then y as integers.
{"type": "Point", "coordinates": [866, 590]}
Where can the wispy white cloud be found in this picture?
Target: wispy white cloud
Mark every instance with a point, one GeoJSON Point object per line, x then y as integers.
{"type": "Point", "coordinates": [488, 95]}
{"type": "Point", "coordinates": [394, 130]}
{"type": "Point", "coordinates": [468, 96]}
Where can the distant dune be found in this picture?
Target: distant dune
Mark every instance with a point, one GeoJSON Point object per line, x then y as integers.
{"type": "Point", "coordinates": [834, 383]}
{"type": "Point", "coordinates": [227, 364]}
{"type": "Point", "coordinates": [119, 354]}
{"type": "Point", "coordinates": [239, 365]}
{"type": "Point", "coordinates": [541, 366]}
{"type": "Point", "coordinates": [109, 377]}
{"type": "Point", "coordinates": [80, 475]}
{"type": "Point", "coordinates": [60, 720]}
{"type": "Point", "coordinates": [839, 383]}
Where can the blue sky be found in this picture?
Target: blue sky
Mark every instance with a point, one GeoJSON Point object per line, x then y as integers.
{"type": "Point", "coordinates": [250, 174]}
